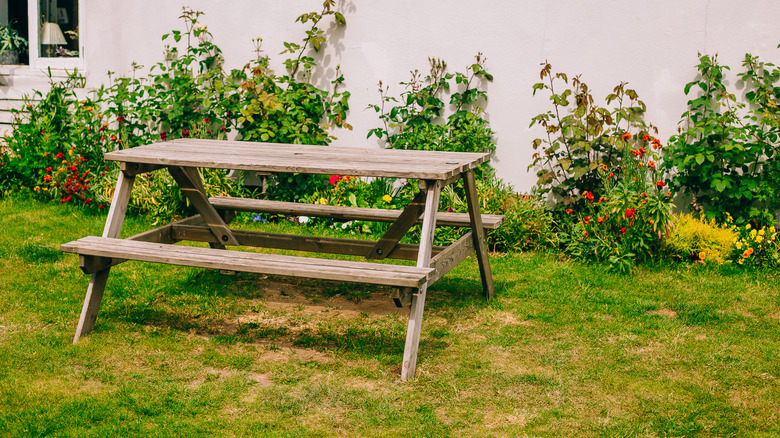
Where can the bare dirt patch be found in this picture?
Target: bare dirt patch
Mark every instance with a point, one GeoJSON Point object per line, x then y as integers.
{"type": "Point", "coordinates": [667, 313]}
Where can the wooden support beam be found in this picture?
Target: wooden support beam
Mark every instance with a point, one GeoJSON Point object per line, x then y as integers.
{"type": "Point", "coordinates": [138, 168]}
{"type": "Point", "coordinates": [297, 242]}
{"type": "Point", "coordinates": [399, 228]}
{"type": "Point", "coordinates": [97, 283]}
{"type": "Point", "coordinates": [402, 296]}
{"type": "Point", "coordinates": [478, 233]}
{"type": "Point", "coordinates": [409, 364]}
{"type": "Point", "coordinates": [190, 183]}
{"type": "Point", "coordinates": [451, 256]}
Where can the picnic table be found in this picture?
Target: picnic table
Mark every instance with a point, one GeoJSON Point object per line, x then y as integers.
{"type": "Point", "coordinates": [183, 157]}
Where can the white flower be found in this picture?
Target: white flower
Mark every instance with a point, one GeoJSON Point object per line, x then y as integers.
{"type": "Point", "coordinates": [303, 219]}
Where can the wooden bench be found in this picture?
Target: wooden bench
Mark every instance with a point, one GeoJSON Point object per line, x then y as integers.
{"type": "Point", "coordinates": [489, 221]}
{"type": "Point", "coordinates": [324, 269]}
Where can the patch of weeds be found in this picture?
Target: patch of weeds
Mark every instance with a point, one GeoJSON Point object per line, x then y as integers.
{"type": "Point", "coordinates": [33, 253]}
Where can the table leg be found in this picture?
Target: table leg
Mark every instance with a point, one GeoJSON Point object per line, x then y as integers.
{"type": "Point", "coordinates": [97, 284]}
{"type": "Point", "coordinates": [478, 233]}
{"type": "Point", "coordinates": [418, 299]}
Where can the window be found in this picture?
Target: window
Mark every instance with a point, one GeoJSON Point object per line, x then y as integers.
{"type": "Point", "coordinates": [52, 28]}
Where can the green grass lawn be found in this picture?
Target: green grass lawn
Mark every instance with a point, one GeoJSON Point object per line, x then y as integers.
{"type": "Point", "coordinates": [564, 349]}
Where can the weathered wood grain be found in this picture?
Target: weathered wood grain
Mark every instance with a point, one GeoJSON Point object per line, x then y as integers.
{"type": "Point", "coordinates": [489, 221]}
{"type": "Point", "coordinates": [399, 228]}
{"type": "Point", "coordinates": [451, 256]}
{"type": "Point", "coordinates": [190, 183]}
{"type": "Point", "coordinates": [309, 267]}
{"type": "Point", "coordinates": [409, 364]}
{"type": "Point", "coordinates": [296, 242]}
{"type": "Point", "coordinates": [267, 157]}
{"type": "Point", "coordinates": [472, 199]}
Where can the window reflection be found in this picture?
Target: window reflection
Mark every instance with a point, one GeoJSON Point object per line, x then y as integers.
{"type": "Point", "coordinates": [58, 28]}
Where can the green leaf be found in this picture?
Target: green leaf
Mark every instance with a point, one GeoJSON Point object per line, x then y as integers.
{"type": "Point", "coordinates": [340, 18]}
{"type": "Point", "coordinates": [700, 158]}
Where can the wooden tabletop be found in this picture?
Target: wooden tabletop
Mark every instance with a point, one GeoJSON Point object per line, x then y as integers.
{"type": "Point", "coordinates": [327, 160]}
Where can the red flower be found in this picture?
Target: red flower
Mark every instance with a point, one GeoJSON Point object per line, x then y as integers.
{"type": "Point", "coordinates": [585, 233]}
{"type": "Point", "coordinates": [163, 136]}
{"type": "Point", "coordinates": [623, 230]}
{"type": "Point", "coordinates": [588, 196]}
{"type": "Point", "coordinates": [88, 201]}
{"type": "Point", "coordinates": [206, 120]}
{"type": "Point", "coordinates": [631, 213]}
{"type": "Point", "coordinates": [651, 164]}
{"type": "Point", "coordinates": [59, 156]}
{"type": "Point", "coordinates": [601, 219]}
{"type": "Point", "coordinates": [646, 137]}
{"type": "Point", "coordinates": [568, 211]}
{"type": "Point", "coordinates": [586, 220]}
{"type": "Point", "coordinates": [626, 136]}
{"type": "Point", "coordinates": [335, 179]}
{"type": "Point", "coordinates": [656, 144]}
{"type": "Point", "coordinates": [660, 184]}
{"type": "Point", "coordinates": [48, 170]}
{"type": "Point", "coordinates": [101, 206]}
{"type": "Point", "coordinates": [46, 178]}
{"type": "Point", "coordinates": [113, 138]}
{"type": "Point", "coordinates": [185, 132]}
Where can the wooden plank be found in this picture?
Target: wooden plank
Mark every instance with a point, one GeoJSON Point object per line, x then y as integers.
{"type": "Point", "coordinates": [309, 267]}
{"type": "Point", "coordinates": [400, 227]}
{"type": "Point", "coordinates": [451, 256]}
{"type": "Point", "coordinates": [297, 242]}
{"type": "Point", "coordinates": [267, 157]}
{"type": "Point", "coordinates": [489, 221]}
{"type": "Point", "coordinates": [402, 296]}
{"type": "Point", "coordinates": [92, 264]}
{"type": "Point", "coordinates": [409, 364]}
{"type": "Point", "coordinates": [137, 168]}
{"type": "Point", "coordinates": [472, 199]}
{"type": "Point", "coordinates": [190, 183]}
{"type": "Point", "coordinates": [97, 283]}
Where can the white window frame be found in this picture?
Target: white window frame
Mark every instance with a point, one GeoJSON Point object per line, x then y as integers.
{"type": "Point", "coordinates": [38, 62]}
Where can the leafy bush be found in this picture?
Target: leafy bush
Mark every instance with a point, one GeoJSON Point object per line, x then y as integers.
{"type": "Point", "coordinates": [416, 121]}
{"type": "Point", "coordinates": [725, 155]}
{"type": "Point", "coordinates": [527, 224]}
{"type": "Point", "coordinates": [699, 239]}
{"type": "Point", "coordinates": [582, 137]}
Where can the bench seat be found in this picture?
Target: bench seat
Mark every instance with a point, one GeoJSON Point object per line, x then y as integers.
{"type": "Point", "coordinates": [340, 270]}
{"type": "Point", "coordinates": [489, 221]}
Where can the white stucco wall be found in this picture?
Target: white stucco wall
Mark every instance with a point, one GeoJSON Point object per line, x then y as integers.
{"type": "Point", "coordinates": [650, 44]}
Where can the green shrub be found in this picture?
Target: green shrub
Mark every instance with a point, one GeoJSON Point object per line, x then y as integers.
{"type": "Point", "coordinates": [415, 122]}
{"type": "Point", "coordinates": [692, 238]}
{"type": "Point", "coordinates": [726, 156]}
{"type": "Point", "coordinates": [582, 137]}
{"type": "Point", "coordinates": [527, 225]}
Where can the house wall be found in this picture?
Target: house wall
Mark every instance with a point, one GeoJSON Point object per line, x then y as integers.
{"type": "Point", "coordinates": [650, 44]}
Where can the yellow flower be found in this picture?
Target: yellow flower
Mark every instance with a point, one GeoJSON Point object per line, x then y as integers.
{"type": "Point", "coordinates": [759, 238]}
{"type": "Point", "coordinates": [741, 261]}
{"type": "Point", "coordinates": [37, 188]}
{"type": "Point", "coordinates": [702, 255]}
{"type": "Point", "coordinates": [761, 232]}
{"type": "Point", "coordinates": [323, 201]}
{"type": "Point", "coordinates": [772, 229]}
{"type": "Point", "coordinates": [753, 233]}
{"type": "Point", "coordinates": [387, 198]}
{"type": "Point", "coordinates": [747, 227]}
{"type": "Point", "coordinates": [738, 245]}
